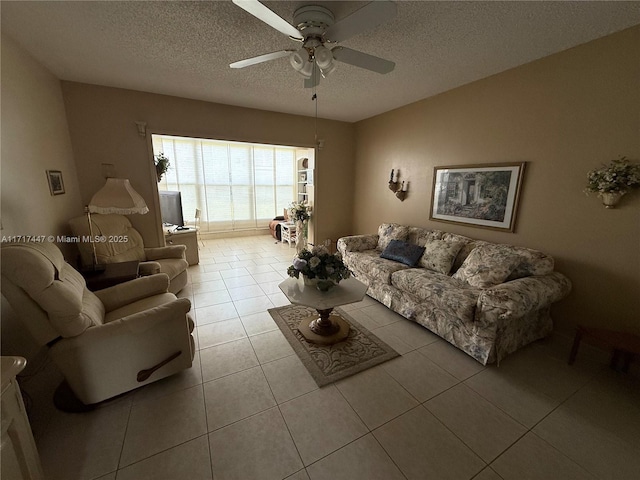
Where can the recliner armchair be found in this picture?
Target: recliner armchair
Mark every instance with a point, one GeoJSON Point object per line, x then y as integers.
{"type": "Point", "coordinates": [107, 342]}
{"type": "Point", "coordinates": [124, 243]}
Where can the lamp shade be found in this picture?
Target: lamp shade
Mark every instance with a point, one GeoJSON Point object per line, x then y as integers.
{"type": "Point", "coordinates": [117, 196]}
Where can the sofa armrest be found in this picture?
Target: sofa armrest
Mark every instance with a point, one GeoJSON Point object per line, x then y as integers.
{"type": "Point", "coordinates": [516, 298]}
{"type": "Point", "coordinates": [133, 290]}
{"type": "Point", "coordinates": [357, 243]}
{"type": "Point", "coordinates": [148, 268]}
{"type": "Point", "coordinates": [171, 251]}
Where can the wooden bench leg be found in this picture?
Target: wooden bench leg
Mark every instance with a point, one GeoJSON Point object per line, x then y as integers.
{"type": "Point", "coordinates": [576, 344]}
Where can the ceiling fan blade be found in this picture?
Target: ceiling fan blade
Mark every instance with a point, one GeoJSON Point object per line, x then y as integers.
{"type": "Point", "coordinates": [258, 10]}
{"type": "Point", "coordinates": [369, 16]}
{"type": "Point", "coordinates": [362, 60]}
{"type": "Point", "coordinates": [261, 58]}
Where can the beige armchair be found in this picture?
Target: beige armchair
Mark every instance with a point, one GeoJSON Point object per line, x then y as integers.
{"type": "Point", "coordinates": [124, 243]}
{"type": "Point", "coordinates": [105, 343]}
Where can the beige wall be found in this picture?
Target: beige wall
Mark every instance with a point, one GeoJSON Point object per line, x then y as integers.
{"type": "Point", "coordinates": [103, 130]}
{"type": "Point", "coordinates": [35, 138]}
{"type": "Point", "coordinates": [564, 115]}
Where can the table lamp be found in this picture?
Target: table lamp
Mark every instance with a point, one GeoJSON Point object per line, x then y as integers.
{"type": "Point", "coordinates": [117, 196]}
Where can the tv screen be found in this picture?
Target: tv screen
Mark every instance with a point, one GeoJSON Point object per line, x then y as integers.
{"type": "Point", "coordinates": [171, 208]}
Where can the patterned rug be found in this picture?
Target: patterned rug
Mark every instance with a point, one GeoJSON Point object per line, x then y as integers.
{"type": "Point", "coordinates": [329, 363]}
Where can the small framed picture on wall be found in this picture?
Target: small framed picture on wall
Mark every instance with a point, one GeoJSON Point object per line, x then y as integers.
{"type": "Point", "coordinates": [56, 185]}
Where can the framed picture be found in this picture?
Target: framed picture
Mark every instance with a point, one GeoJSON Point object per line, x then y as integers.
{"type": "Point", "coordinates": [483, 195]}
{"type": "Point", "coordinates": [56, 185]}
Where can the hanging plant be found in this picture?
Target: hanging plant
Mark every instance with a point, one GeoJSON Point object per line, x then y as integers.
{"type": "Point", "coordinates": [619, 176]}
{"type": "Point", "coordinates": [614, 180]}
{"type": "Point", "coordinates": [162, 165]}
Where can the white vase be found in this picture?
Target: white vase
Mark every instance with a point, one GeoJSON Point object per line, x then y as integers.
{"type": "Point", "coordinates": [310, 282]}
{"type": "Point", "coordinates": [611, 199]}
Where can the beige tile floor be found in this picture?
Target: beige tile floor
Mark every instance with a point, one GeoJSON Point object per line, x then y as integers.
{"type": "Point", "coordinates": [248, 409]}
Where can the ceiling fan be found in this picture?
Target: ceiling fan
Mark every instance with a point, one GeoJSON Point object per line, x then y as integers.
{"type": "Point", "coordinates": [317, 30]}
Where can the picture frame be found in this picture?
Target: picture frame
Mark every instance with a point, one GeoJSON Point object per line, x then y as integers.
{"type": "Point", "coordinates": [481, 195]}
{"type": "Point", "coordinates": [56, 184]}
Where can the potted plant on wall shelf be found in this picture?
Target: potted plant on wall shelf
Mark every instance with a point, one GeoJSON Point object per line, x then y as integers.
{"type": "Point", "coordinates": [162, 165]}
{"type": "Point", "coordinates": [612, 181]}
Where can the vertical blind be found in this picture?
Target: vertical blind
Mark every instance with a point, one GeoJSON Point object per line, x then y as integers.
{"type": "Point", "coordinates": [236, 186]}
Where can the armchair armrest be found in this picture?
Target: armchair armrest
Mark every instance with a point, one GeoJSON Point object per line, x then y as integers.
{"type": "Point", "coordinates": [148, 319]}
{"type": "Point", "coordinates": [133, 290]}
{"type": "Point", "coordinates": [108, 359]}
{"type": "Point", "coordinates": [136, 323]}
{"type": "Point", "coordinates": [357, 243]}
{"type": "Point", "coordinates": [516, 298]}
{"type": "Point", "coordinates": [171, 251]}
{"type": "Point", "coordinates": [148, 268]}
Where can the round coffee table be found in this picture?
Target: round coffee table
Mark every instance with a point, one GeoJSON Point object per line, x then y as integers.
{"type": "Point", "coordinates": [324, 329]}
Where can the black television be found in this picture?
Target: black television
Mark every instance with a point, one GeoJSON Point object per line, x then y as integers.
{"type": "Point", "coordinates": [171, 208]}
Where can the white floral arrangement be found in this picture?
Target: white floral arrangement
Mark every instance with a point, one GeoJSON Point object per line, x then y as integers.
{"type": "Point", "coordinates": [319, 263]}
{"type": "Point", "coordinates": [619, 176]}
{"type": "Point", "coordinates": [299, 211]}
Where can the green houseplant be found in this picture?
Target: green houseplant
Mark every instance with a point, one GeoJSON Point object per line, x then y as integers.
{"type": "Point", "coordinates": [162, 165]}
{"type": "Point", "coordinates": [614, 180]}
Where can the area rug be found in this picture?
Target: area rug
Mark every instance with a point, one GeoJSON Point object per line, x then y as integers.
{"type": "Point", "coordinates": [328, 363]}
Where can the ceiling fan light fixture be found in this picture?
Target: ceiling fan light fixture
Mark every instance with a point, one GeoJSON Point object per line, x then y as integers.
{"type": "Point", "coordinates": [328, 70]}
{"type": "Point", "coordinates": [299, 59]}
{"type": "Point", "coordinates": [307, 70]}
{"type": "Point", "coordinates": [323, 56]}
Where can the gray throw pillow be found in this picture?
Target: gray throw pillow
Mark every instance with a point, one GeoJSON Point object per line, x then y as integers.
{"type": "Point", "coordinates": [403, 252]}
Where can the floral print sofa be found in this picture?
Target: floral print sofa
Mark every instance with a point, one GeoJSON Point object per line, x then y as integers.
{"type": "Point", "coordinates": [487, 299]}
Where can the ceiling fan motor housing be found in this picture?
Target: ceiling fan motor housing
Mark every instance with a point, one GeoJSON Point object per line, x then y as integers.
{"type": "Point", "coordinates": [313, 20]}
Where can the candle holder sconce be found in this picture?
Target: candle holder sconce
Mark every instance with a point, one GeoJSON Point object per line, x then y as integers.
{"type": "Point", "coordinates": [400, 189]}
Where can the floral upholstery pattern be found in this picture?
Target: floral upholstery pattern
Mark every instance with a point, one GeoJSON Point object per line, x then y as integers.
{"type": "Point", "coordinates": [439, 255]}
{"type": "Point", "coordinates": [357, 243]}
{"type": "Point", "coordinates": [451, 297]}
{"type": "Point", "coordinates": [420, 236]}
{"type": "Point", "coordinates": [368, 266]}
{"type": "Point", "coordinates": [391, 231]}
{"type": "Point", "coordinates": [488, 265]}
{"type": "Point", "coordinates": [532, 262]}
{"type": "Point", "coordinates": [486, 323]}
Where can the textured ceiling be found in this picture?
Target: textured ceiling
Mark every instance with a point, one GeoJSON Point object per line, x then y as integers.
{"type": "Point", "coordinates": [184, 48]}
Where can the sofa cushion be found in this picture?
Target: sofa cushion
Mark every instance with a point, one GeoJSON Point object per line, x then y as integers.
{"type": "Point", "coordinates": [442, 293]}
{"type": "Point", "coordinates": [420, 236]}
{"type": "Point", "coordinates": [403, 252]}
{"type": "Point", "coordinates": [439, 255]}
{"type": "Point", "coordinates": [391, 231]}
{"type": "Point", "coordinates": [369, 266]}
{"type": "Point", "coordinates": [488, 265]}
{"type": "Point", "coordinates": [532, 262]}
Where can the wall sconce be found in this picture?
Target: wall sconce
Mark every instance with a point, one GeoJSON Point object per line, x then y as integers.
{"type": "Point", "coordinates": [396, 187]}
{"type": "Point", "coordinates": [142, 128]}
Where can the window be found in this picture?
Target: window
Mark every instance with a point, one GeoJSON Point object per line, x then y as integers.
{"type": "Point", "coordinates": [237, 186]}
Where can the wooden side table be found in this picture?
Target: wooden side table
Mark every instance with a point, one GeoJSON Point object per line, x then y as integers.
{"type": "Point", "coordinates": [625, 345]}
{"type": "Point", "coordinates": [288, 232]}
{"type": "Point", "coordinates": [113, 274]}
